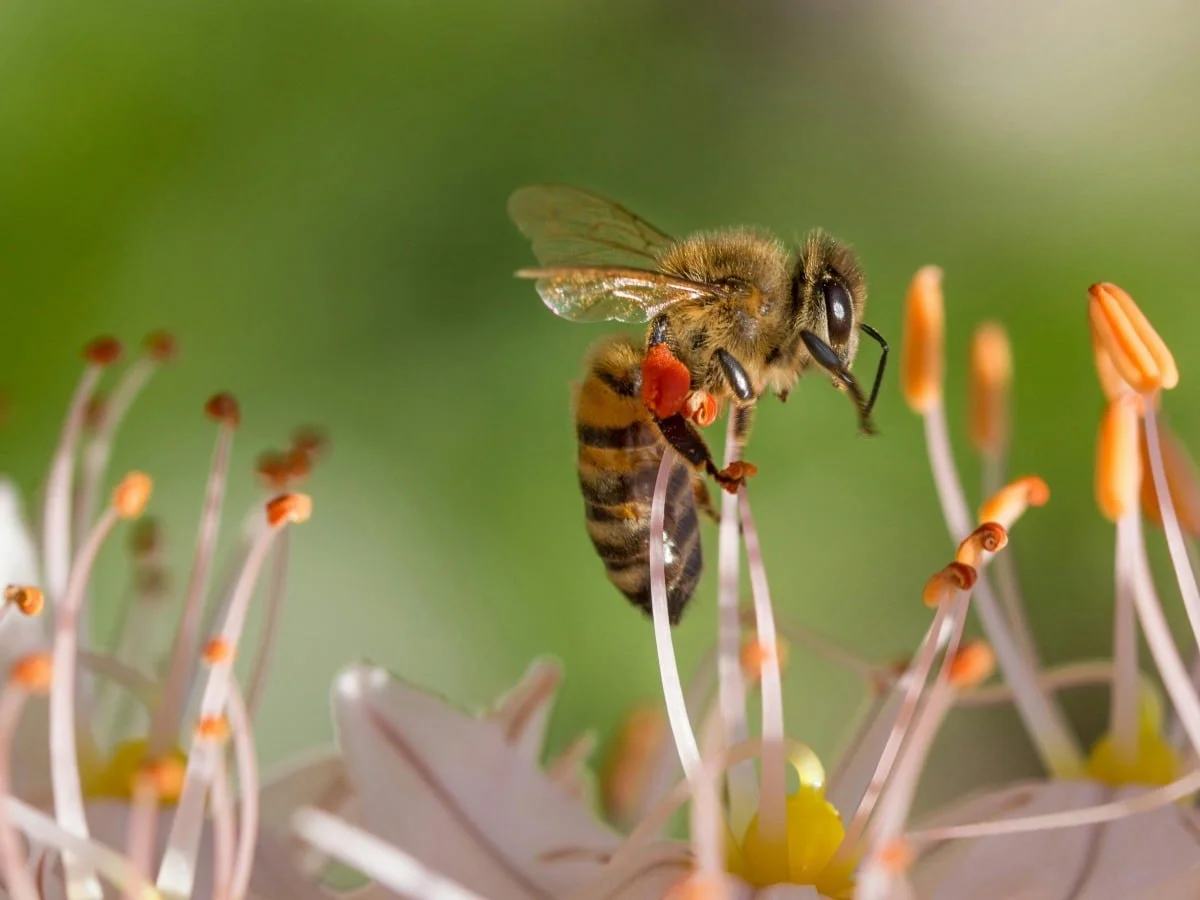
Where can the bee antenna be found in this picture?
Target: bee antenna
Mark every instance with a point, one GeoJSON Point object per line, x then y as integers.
{"type": "Point", "coordinates": [883, 346]}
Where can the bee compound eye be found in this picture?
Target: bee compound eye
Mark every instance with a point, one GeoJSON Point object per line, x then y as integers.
{"type": "Point", "coordinates": [839, 313]}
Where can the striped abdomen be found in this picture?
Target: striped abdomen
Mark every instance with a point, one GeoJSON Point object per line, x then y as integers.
{"type": "Point", "coordinates": [620, 450]}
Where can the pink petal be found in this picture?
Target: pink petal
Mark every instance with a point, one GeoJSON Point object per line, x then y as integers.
{"type": "Point", "coordinates": [454, 793]}
{"type": "Point", "coordinates": [318, 779]}
{"type": "Point", "coordinates": [524, 712]}
{"type": "Point", "coordinates": [1114, 860]}
{"type": "Point", "coordinates": [788, 892]}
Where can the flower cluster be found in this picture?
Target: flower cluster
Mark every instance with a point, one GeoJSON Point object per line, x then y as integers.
{"type": "Point", "coordinates": [428, 802]}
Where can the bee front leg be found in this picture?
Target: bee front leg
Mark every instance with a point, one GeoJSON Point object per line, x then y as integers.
{"type": "Point", "coordinates": [688, 443]}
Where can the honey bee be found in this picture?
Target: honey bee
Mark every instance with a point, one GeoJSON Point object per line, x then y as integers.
{"type": "Point", "coordinates": [732, 315]}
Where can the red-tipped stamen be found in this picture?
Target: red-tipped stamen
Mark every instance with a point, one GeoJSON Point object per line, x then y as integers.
{"type": "Point", "coordinates": [1175, 542]}
{"type": "Point", "coordinates": [677, 713]}
{"type": "Point", "coordinates": [178, 869]}
{"type": "Point", "coordinates": [772, 810]}
{"type": "Point", "coordinates": [276, 589]}
{"type": "Point", "coordinates": [731, 686]}
{"type": "Point", "coordinates": [389, 866]}
{"type": "Point", "coordinates": [164, 726]}
{"type": "Point", "coordinates": [64, 765]}
{"type": "Point", "coordinates": [31, 674]}
{"type": "Point", "coordinates": [157, 349]}
{"type": "Point", "coordinates": [247, 776]}
{"type": "Point", "coordinates": [56, 516]}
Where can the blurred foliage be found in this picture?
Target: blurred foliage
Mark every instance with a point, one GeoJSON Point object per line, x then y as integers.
{"type": "Point", "coordinates": [311, 195]}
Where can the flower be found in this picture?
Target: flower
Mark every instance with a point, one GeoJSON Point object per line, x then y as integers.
{"type": "Point", "coordinates": [100, 788]}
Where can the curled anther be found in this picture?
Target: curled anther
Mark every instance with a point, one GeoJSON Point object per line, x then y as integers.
{"type": "Point", "coordinates": [700, 407]}
{"type": "Point", "coordinates": [948, 581]}
{"type": "Point", "coordinates": [1135, 349]}
{"type": "Point", "coordinates": [991, 376]}
{"type": "Point", "coordinates": [1118, 465]}
{"type": "Point", "coordinates": [972, 665]}
{"type": "Point", "coordinates": [288, 509]}
{"type": "Point", "coordinates": [33, 673]}
{"type": "Point", "coordinates": [28, 600]}
{"type": "Point", "coordinates": [103, 351]}
{"type": "Point", "coordinates": [921, 359]}
{"type": "Point", "coordinates": [160, 346]}
{"type": "Point", "coordinates": [1010, 502]}
{"type": "Point", "coordinates": [132, 494]}
{"type": "Point", "coordinates": [224, 408]}
{"type": "Point", "coordinates": [990, 537]}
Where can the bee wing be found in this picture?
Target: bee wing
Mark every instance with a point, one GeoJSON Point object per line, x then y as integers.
{"type": "Point", "coordinates": [599, 293]}
{"type": "Point", "coordinates": [573, 227]}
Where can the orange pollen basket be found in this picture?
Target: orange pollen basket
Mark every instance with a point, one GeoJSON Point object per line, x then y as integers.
{"type": "Point", "coordinates": [665, 382]}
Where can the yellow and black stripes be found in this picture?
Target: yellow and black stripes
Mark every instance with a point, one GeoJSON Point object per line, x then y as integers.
{"type": "Point", "coordinates": [620, 450]}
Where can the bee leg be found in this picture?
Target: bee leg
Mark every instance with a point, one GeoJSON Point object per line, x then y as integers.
{"type": "Point", "coordinates": [686, 440]}
{"type": "Point", "coordinates": [666, 382]}
{"type": "Point", "coordinates": [704, 500]}
{"type": "Point", "coordinates": [832, 363]}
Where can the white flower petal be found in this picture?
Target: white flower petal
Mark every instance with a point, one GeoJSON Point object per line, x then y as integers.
{"type": "Point", "coordinates": [318, 779]}
{"type": "Point", "coordinates": [19, 634]}
{"type": "Point", "coordinates": [1113, 860]}
{"type": "Point", "coordinates": [524, 712]}
{"type": "Point", "coordinates": [453, 792]}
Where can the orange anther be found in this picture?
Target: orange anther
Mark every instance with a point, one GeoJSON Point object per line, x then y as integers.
{"type": "Point", "coordinates": [145, 538]}
{"type": "Point", "coordinates": [223, 408]}
{"type": "Point", "coordinates": [218, 650]}
{"type": "Point", "coordinates": [921, 360]}
{"type": "Point", "coordinates": [895, 857]}
{"type": "Point", "coordinates": [1135, 349]}
{"type": "Point", "coordinates": [165, 777]}
{"type": "Point", "coordinates": [33, 673]}
{"type": "Point", "coordinates": [990, 537]}
{"type": "Point", "coordinates": [160, 346]}
{"type": "Point", "coordinates": [947, 582]}
{"type": "Point", "coordinates": [213, 728]}
{"type": "Point", "coordinates": [288, 508]}
{"type": "Point", "coordinates": [756, 655]}
{"type": "Point", "coordinates": [972, 665]}
{"type": "Point", "coordinates": [1010, 502]}
{"type": "Point", "coordinates": [299, 465]}
{"type": "Point", "coordinates": [1118, 466]}
{"type": "Point", "coordinates": [311, 441]}
{"type": "Point", "coordinates": [991, 375]}
{"type": "Point", "coordinates": [103, 351]}
{"type": "Point", "coordinates": [700, 407]}
{"type": "Point", "coordinates": [1182, 480]}
{"type": "Point", "coordinates": [274, 470]}
{"type": "Point", "coordinates": [665, 382]}
{"type": "Point", "coordinates": [26, 598]}
{"type": "Point", "coordinates": [132, 494]}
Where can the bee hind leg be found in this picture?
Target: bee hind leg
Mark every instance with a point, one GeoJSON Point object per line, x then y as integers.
{"type": "Point", "coordinates": [704, 501]}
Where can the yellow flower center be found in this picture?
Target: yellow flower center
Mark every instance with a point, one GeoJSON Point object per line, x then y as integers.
{"type": "Point", "coordinates": [116, 778]}
{"type": "Point", "coordinates": [1154, 763]}
{"type": "Point", "coordinates": [814, 834]}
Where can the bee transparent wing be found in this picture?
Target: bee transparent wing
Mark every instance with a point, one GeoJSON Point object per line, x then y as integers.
{"type": "Point", "coordinates": [600, 293]}
{"type": "Point", "coordinates": [573, 227]}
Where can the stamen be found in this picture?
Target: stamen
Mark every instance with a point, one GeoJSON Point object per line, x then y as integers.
{"type": "Point", "coordinates": [1123, 699]}
{"type": "Point", "coordinates": [1011, 502]}
{"type": "Point", "coordinates": [157, 349]}
{"type": "Point", "coordinates": [1182, 480]}
{"type": "Point", "coordinates": [222, 408]}
{"type": "Point", "coordinates": [224, 830]}
{"type": "Point", "coordinates": [1137, 352]}
{"type": "Point", "coordinates": [756, 656]}
{"type": "Point", "coordinates": [948, 583]}
{"type": "Point", "coordinates": [1175, 542]}
{"type": "Point", "coordinates": [30, 674]}
{"type": "Point", "coordinates": [741, 783]}
{"type": "Point", "coordinates": [26, 598]}
{"type": "Point", "coordinates": [391, 867]}
{"type": "Point", "coordinates": [276, 589]}
{"type": "Point", "coordinates": [921, 363]}
{"type": "Point", "coordinates": [247, 773]}
{"type": "Point", "coordinates": [986, 540]}
{"type": "Point", "coordinates": [1118, 469]}
{"type": "Point", "coordinates": [972, 665]}
{"type": "Point", "coordinates": [128, 498]}
{"type": "Point", "coordinates": [991, 376]}
{"type": "Point", "coordinates": [772, 810]}
{"type": "Point", "coordinates": [178, 869]}
{"type": "Point", "coordinates": [313, 442]}
{"type": "Point", "coordinates": [677, 713]}
{"type": "Point", "coordinates": [274, 470]}
{"type": "Point", "coordinates": [56, 516]}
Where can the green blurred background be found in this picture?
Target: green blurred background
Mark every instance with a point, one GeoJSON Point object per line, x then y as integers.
{"type": "Point", "coordinates": [312, 196]}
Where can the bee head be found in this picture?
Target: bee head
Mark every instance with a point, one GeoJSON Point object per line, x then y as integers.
{"type": "Point", "coordinates": [828, 294]}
